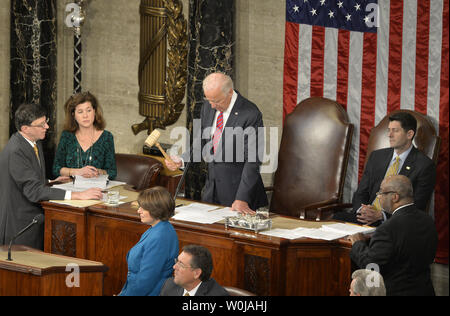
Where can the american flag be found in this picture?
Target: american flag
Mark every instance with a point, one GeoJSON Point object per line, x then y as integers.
{"type": "Point", "coordinates": [373, 57]}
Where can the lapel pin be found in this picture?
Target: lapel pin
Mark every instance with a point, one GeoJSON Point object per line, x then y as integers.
{"type": "Point", "coordinates": [408, 167]}
{"type": "Point", "coordinates": [235, 113]}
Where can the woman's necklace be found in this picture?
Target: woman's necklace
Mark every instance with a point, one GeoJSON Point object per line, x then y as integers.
{"type": "Point", "coordinates": [88, 158]}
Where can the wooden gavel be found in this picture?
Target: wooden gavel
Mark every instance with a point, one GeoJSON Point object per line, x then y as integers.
{"type": "Point", "coordinates": [152, 139]}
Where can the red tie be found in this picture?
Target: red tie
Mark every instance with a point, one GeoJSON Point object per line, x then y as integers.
{"type": "Point", "coordinates": [218, 132]}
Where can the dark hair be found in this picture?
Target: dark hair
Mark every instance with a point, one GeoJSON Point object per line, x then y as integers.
{"type": "Point", "coordinates": [26, 113]}
{"type": "Point", "coordinates": [70, 123]}
{"type": "Point", "coordinates": [158, 202]}
{"type": "Point", "coordinates": [201, 259]}
{"type": "Point", "coordinates": [407, 121]}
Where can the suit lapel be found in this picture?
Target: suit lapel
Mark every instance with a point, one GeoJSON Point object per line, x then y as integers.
{"type": "Point", "coordinates": [408, 165]}
{"type": "Point", "coordinates": [203, 289]}
{"type": "Point", "coordinates": [32, 155]}
{"type": "Point", "coordinates": [384, 164]}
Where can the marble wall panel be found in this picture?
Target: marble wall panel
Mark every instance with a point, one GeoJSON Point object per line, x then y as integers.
{"type": "Point", "coordinates": [4, 71]}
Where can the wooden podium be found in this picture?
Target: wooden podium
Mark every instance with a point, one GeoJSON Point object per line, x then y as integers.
{"type": "Point", "coordinates": [264, 265]}
{"type": "Point", "coordinates": [35, 273]}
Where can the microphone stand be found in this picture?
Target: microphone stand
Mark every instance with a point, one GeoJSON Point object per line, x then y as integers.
{"type": "Point", "coordinates": [20, 233]}
{"type": "Point", "coordinates": [180, 183]}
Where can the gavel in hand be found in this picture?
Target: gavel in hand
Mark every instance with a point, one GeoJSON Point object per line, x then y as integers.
{"type": "Point", "coordinates": [152, 139]}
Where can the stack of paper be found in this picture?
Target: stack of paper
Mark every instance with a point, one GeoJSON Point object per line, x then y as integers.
{"type": "Point", "coordinates": [326, 232]}
{"type": "Point", "coordinates": [71, 187]}
{"type": "Point", "coordinates": [202, 213]}
{"type": "Point", "coordinates": [348, 229]}
{"type": "Point", "coordinates": [86, 183]}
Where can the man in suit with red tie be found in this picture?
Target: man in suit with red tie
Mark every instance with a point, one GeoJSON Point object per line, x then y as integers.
{"type": "Point", "coordinates": [232, 146]}
{"type": "Point", "coordinates": [23, 181]}
{"type": "Point", "coordinates": [401, 158]}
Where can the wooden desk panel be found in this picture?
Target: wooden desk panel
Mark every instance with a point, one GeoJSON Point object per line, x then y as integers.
{"type": "Point", "coordinates": [260, 264]}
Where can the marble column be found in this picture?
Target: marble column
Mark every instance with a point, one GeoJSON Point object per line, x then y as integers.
{"type": "Point", "coordinates": [211, 28]}
{"type": "Point", "coordinates": [33, 63]}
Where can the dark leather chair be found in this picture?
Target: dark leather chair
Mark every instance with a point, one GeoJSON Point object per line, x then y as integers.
{"type": "Point", "coordinates": [234, 291]}
{"type": "Point", "coordinates": [140, 172]}
{"type": "Point", "coordinates": [425, 140]}
{"type": "Point", "coordinates": [312, 160]}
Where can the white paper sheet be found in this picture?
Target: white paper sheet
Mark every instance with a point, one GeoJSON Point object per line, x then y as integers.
{"type": "Point", "coordinates": [70, 186]}
{"type": "Point", "coordinates": [348, 229]}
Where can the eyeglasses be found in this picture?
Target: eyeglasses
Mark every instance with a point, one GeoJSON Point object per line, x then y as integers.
{"type": "Point", "coordinates": [387, 192]}
{"type": "Point", "coordinates": [181, 264]}
{"type": "Point", "coordinates": [42, 125]}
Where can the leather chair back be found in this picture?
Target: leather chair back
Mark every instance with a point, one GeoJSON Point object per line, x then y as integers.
{"type": "Point", "coordinates": [425, 140]}
{"type": "Point", "coordinates": [234, 291]}
{"type": "Point", "coordinates": [313, 157]}
{"type": "Point", "coordinates": [140, 172]}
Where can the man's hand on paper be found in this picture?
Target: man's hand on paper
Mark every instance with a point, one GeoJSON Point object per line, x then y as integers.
{"type": "Point", "coordinates": [59, 180]}
{"type": "Point", "coordinates": [89, 194]}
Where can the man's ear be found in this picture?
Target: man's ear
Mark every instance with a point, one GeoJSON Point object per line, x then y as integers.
{"type": "Point", "coordinates": [197, 273]}
{"type": "Point", "coordinates": [410, 134]}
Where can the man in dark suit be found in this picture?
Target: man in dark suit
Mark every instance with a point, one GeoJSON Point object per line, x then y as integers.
{"type": "Point", "coordinates": [403, 247]}
{"type": "Point", "coordinates": [192, 272]}
{"type": "Point", "coordinates": [412, 163]}
{"type": "Point", "coordinates": [232, 145]}
{"type": "Point", "coordinates": [23, 181]}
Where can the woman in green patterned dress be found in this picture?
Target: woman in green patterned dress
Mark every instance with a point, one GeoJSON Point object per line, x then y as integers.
{"type": "Point", "coordinates": [85, 147]}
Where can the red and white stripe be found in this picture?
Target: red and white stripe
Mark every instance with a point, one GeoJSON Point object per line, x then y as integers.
{"type": "Point", "coordinates": [402, 66]}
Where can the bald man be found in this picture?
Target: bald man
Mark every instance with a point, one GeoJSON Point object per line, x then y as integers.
{"type": "Point", "coordinates": [403, 247]}
{"type": "Point", "coordinates": [231, 143]}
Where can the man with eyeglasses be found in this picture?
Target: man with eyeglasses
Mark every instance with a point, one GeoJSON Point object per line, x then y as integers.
{"type": "Point", "coordinates": [231, 144]}
{"type": "Point", "coordinates": [23, 183]}
{"type": "Point", "coordinates": [192, 275]}
{"type": "Point", "coordinates": [403, 247]}
{"type": "Point", "coordinates": [401, 158]}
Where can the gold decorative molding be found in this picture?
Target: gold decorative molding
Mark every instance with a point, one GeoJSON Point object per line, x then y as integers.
{"type": "Point", "coordinates": [162, 71]}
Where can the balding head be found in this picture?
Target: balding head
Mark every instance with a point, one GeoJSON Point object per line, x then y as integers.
{"type": "Point", "coordinates": [218, 90]}
{"type": "Point", "coordinates": [400, 184]}
{"type": "Point", "coordinates": [400, 192]}
{"type": "Point", "coordinates": [218, 80]}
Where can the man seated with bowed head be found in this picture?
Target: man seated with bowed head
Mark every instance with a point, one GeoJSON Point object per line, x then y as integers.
{"type": "Point", "coordinates": [404, 246]}
{"type": "Point", "coordinates": [150, 261]}
{"type": "Point", "coordinates": [192, 272]}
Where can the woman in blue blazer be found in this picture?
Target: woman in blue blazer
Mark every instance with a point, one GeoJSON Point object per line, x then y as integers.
{"type": "Point", "coordinates": [150, 261]}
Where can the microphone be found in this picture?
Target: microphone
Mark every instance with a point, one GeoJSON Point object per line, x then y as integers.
{"type": "Point", "coordinates": [152, 139]}
{"type": "Point", "coordinates": [186, 167]}
{"type": "Point", "coordinates": [37, 219]}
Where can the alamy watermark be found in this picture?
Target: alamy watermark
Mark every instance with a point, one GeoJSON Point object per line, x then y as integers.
{"type": "Point", "coordinates": [73, 278]}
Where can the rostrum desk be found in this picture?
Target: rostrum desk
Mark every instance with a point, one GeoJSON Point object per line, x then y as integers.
{"type": "Point", "coordinates": [36, 273]}
{"type": "Point", "coordinates": [260, 264]}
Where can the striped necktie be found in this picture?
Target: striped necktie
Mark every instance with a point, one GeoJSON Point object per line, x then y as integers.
{"type": "Point", "coordinates": [393, 170]}
{"type": "Point", "coordinates": [36, 151]}
{"type": "Point", "coordinates": [218, 131]}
